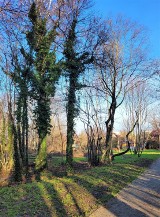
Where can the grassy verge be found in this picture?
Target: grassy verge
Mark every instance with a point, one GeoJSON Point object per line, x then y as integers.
{"type": "Point", "coordinates": [76, 195]}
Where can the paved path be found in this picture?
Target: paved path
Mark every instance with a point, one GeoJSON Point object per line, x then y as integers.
{"type": "Point", "coordinates": [139, 199]}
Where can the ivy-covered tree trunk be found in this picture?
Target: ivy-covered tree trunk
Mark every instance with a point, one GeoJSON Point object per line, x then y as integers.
{"type": "Point", "coordinates": [71, 67]}
{"type": "Point", "coordinates": [25, 122]}
{"type": "Point", "coordinates": [74, 66]}
{"type": "Point", "coordinates": [13, 139]}
{"type": "Point", "coordinates": [19, 136]}
{"type": "Point", "coordinates": [70, 119]}
{"type": "Point", "coordinates": [42, 112]}
{"type": "Point", "coordinates": [45, 75]}
{"type": "Point", "coordinates": [17, 165]}
{"type": "Point", "coordinates": [41, 159]}
{"type": "Point", "coordinates": [19, 126]}
{"type": "Point", "coordinates": [22, 121]}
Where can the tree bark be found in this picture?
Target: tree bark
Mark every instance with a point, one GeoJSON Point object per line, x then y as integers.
{"type": "Point", "coordinates": [127, 143]}
{"type": "Point", "coordinates": [70, 120]}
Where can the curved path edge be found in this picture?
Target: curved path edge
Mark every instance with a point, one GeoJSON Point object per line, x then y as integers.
{"type": "Point", "coordinates": [139, 199]}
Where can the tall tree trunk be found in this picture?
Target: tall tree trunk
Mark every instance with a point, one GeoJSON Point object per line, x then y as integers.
{"type": "Point", "coordinates": [13, 136]}
{"type": "Point", "coordinates": [22, 128]}
{"type": "Point", "coordinates": [109, 130]}
{"type": "Point", "coordinates": [17, 165]}
{"type": "Point", "coordinates": [26, 134]}
{"type": "Point", "coordinates": [23, 131]}
{"type": "Point", "coordinates": [70, 120]}
{"type": "Point", "coordinates": [19, 133]}
{"type": "Point", "coordinates": [41, 159]}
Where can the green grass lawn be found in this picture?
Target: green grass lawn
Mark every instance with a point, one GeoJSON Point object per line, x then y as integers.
{"type": "Point", "coordinates": [78, 194]}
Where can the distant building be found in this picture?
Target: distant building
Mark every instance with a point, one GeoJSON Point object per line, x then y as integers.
{"type": "Point", "coordinates": [155, 133]}
{"type": "Point", "coordinates": [154, 141]}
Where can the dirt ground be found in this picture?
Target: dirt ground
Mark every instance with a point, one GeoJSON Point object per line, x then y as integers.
{"type": "Point", "coordinates": [139, 199]}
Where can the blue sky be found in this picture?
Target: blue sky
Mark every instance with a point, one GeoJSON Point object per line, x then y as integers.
{"type": "Point", "coordinates": [145, 12]}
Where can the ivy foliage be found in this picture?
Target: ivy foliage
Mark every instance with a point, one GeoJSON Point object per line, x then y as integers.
{"type": "Point", "coordinates": [45, 72]}
{"type": "Point", "coordinates": [46, 69]}
{"type": "Point", "coordinates": [74, 65]}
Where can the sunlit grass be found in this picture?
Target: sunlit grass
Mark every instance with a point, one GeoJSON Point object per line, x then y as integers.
{"type": "Point", "coordinates": [76, 195]}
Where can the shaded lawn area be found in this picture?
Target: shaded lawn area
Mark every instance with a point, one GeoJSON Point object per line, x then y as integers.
{"type": "Point", "coordinates": [78, 194]}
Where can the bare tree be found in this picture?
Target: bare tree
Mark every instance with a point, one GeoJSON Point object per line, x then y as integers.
{"type": "Point", "coordinates": [120, 60]}
{"type": "Point", "coordinates": [93, 116]}
{"type": "Point", "coordinates": [137, 102]}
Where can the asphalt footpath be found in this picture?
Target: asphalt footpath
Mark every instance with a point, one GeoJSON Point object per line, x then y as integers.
{"type": "Point", "coordinates": [139, 199]}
